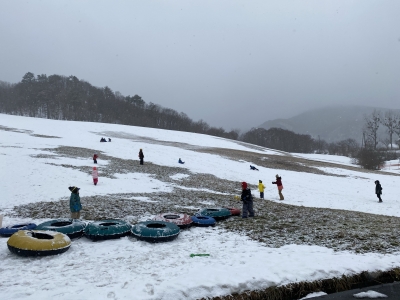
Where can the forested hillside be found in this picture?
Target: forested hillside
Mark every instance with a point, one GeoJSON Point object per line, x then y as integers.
{"type": "Point", "coordinates": [68, 98]}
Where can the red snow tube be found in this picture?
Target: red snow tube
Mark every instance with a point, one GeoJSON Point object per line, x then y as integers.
{"type": "Point", "coordinates": [234, 211]}
{"type": "Point", "coordinates": [180, 219]}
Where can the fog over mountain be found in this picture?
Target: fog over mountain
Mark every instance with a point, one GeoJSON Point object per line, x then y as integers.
{"type": "Point", "coordinates": [232, 63]}
{"type": "Point", "coordinates": [333, 123]}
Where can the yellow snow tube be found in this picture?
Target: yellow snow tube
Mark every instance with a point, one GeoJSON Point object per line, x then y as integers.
{"type": "Point", "coordinates": [38, 243]}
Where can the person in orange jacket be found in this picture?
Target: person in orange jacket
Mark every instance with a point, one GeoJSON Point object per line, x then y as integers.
{"type": "Point", "coordinates": [95, 175]}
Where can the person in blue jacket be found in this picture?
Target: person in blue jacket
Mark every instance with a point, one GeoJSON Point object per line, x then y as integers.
{"type": "Point", "coordinates": [180, 161]}
{"type": "Point", "coordinates": [75, 202]}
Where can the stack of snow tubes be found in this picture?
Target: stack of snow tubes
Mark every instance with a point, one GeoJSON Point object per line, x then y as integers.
{"type": "Point", "coordinates": [107, 229]}
{"type": "Point", "coordinates": [10, 230]}
{"type": "Point", "coordinates": [38, 243]}
{"type": "Point", "coordinates": [155, 231]}
{"type": "Point", "coordinates": [219, 213]}
{"type": "Point", "coordinates": [71, 227]}
{"type": "Point", "coordinates": [180, 219]}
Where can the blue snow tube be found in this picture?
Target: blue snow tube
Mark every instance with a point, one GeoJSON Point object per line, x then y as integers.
{"type": "Point", "coordinates": [203, 221]}
{"type": "Point", "coordinates": [107, 229]}
{"type": "Point", "coordinates": [218, 213]}
{"type": "Point", "coordinates": [72, 227]}
{"type": "Point", "coordinates": [155, 231]}
{"type": "Point", "coordinates": [10, 230]}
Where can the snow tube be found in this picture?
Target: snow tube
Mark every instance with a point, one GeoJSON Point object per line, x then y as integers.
{"type": "Point", "coordinates": [107, 229]}
{"type": "Point", "coordinates": [71, 227]}
{"type": "Point", "coordinates": [234, 211]}
{"type": "Point", "coordinates": [203, 221]}
{"type": "Point", "coordinates": [38, 243]}
{"type": "Point", "coordinates": [10, 230]}
{"type": "Point", "coordinates": [155, 231]}
{"type": "Point", "coordinates": [219, 213]}
{"type": "Point", "coordinates": [180, 219]}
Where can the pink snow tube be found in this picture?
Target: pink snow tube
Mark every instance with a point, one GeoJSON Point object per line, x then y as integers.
{"type": "Point", "coordinates": [180, 219]}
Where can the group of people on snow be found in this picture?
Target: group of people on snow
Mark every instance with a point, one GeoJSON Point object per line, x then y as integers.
{"type": "Point", "coordinates": [246, 196]}
{"type": "Point", "coordinates": [102, 140]}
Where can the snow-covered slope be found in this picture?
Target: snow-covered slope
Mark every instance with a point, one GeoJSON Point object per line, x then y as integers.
{"type": "Point", "coordinates": [130, 269]}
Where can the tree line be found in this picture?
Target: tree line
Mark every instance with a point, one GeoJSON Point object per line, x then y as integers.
{"type": "Point", "coordinates": [68, 98]}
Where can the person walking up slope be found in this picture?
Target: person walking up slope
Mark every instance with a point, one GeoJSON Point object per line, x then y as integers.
{"type": "Point", "coordinates": [95, 175]}
{"type": "Point", "coordinates": [378, 190]}
{"type": "Point", "coordinates": [95, 156]}
{"type": "Point", "coordinates": [75, 202]}
{"type": "Point", "coordinates": [261, 188]}
{"type": "Point", "coordinates": [141, 156]}
{"type": "Point", "coordinates": [278, 183]}
{"type": "Point", "coordinates": [247, 200]}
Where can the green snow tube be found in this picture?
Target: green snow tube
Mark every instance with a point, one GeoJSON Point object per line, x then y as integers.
{"type": "Point", "coordinates": [155, 231]}
{"type": "Point", "coordinates": [71, 227]}
{"type": "Point", "coordinates": [107, 229]}
{"type": "Point", "coordinates": [219, 213]}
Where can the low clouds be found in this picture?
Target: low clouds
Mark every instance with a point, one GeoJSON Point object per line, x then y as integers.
{"type": "Point", "coordinates": [233, 64]}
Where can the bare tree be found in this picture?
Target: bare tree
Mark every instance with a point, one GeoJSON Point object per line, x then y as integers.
{"type": "Point", "coordinates": [390, 121]}
{"type": "Point", "coordinates": [372, 123]}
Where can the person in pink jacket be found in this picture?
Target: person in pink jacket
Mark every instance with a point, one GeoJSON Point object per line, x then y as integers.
{"type": "Point", "coordinates": [95, 175]}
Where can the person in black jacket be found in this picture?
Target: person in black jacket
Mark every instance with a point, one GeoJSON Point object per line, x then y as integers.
{"type": "Point", "coordinates": [247, 200]}
{"type": "Point", "coordinates": [378, 190]}
{"type": "Point", "coordinates": [141, 156]}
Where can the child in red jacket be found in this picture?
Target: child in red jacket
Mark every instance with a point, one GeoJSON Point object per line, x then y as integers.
{"type": "Point", "coordinates": [95, 156]}
{"type": "Point", "coordinates": [278, 183]}
{"type": "Point", "coordinates": [95, 175]}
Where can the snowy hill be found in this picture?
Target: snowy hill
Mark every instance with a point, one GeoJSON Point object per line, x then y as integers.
{"type": "Point", "coordinates": [40, 158]}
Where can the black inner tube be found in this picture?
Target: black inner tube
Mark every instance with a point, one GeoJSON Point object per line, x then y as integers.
{"type": "Point", "coordinates": [108, 224]}
{"type": "Point", "coordinates": [61, 223]}
{"type": "Point", "coordinates": [155, 225]}
{"type": "Point", "coordinates": [171, 217]}
{"type": "Point", "coordinates": [41, 236]}
{"type": "Point", "coordinates": [212, 209]}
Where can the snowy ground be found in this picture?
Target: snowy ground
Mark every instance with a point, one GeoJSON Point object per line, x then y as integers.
{"type": "Point", "coordinates": [130, 269]}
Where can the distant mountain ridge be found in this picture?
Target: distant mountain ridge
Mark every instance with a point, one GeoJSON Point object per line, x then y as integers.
{"type": "Point", "coordinates": [332, 124]}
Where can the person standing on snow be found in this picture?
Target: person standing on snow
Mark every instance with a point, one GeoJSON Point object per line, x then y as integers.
{"type": "Point", "coordinates": [95, 156]}
{"type": "Point", "coordinates": [95, 175]}
{"type": "Point", "coordinates": [378, 190]}
{"type": "Point", "coordinates": [247, 200]}
{"type": "Point", "coordinates": [278, 183]}
{"type": "Point", "coordinates": [261, 188]}
{"type": "Point", "coordinates": [75, 202]}
{"type": "Point", "coordinates": [141, 156]}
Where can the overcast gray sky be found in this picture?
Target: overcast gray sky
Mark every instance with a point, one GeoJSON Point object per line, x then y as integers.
{"type": "Point", "coordinates": [234, 64]}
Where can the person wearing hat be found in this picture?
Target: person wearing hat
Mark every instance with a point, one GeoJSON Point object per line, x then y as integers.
{"type": "Point", "coordinates": [247, 200]}
{"type": "Point", "coordinates": [261, 188]}
{"type": "Point", "coordinates": [75, 202]}
{"type": "Point", "coordinates": [278, 183]}
{"type": "Point", "coordinates": [141, 156]}
{"type": "Point", "coordinates": [378, 190]}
